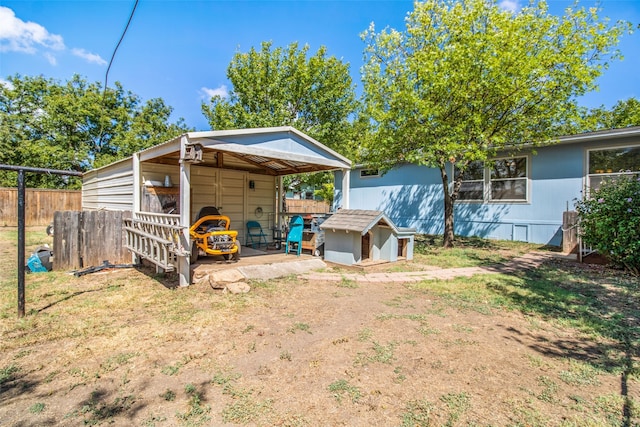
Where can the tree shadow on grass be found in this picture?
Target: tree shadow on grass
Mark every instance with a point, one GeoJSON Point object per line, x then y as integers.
{"type": "Point", "coordinates": [103, 406]}
{"type": "Point", "coordinates": [14, 382]}
{"type": "Point", "coordinates": [595, 300]}
{"type": "Point", "coordinates": [73, 295]}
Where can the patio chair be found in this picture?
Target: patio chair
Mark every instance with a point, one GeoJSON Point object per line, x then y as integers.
{"type": "Point", "coordinates": [255, 235]}
{"type": "Point", "coordinates": [295, 234]}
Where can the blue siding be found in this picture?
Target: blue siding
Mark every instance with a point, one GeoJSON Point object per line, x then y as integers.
{"type": "Point", "coordinates": [555, 183]}
{"type": "Point", "coordinates": [412, 197]}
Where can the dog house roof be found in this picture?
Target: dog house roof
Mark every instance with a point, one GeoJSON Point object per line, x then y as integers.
{"type": "Point", "coordinates": [357, 220]}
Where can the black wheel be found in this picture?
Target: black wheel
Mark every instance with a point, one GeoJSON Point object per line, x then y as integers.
{"type": "Point", "coordinates": [236, 256]}
{"type": "Point", "coordinates": [195, 252]}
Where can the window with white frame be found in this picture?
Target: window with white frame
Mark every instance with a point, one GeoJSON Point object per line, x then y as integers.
{"type": "Point", "coordinates": [508, 179]}
{"type": "Point", "coordinates": [610, 163]}
{"type": "Point", "coordinates": [369, 173]}
{"type": "Point", "coordinates": [472, 187]}
{"type": "Point", "coordinates": [500, 180]}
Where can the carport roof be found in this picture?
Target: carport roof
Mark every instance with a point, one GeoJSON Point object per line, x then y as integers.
{"type": "Point", "coordinates": [273, 151]}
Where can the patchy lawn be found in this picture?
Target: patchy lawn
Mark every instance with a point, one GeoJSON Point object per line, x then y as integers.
{"type": "Point", "coordinates": [554, 346]}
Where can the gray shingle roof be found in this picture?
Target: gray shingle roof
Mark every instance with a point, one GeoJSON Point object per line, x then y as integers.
{"type": "Point", "coordinates": [356, 220]}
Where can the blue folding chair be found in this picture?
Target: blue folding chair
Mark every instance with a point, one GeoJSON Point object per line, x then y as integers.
{"type": "Point", "coordinates": [255, 235]}
{"type": "Point", "coordinates": [295, 234]}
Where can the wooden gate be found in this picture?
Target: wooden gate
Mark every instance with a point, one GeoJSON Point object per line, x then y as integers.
{"type": "Point", "coordinates": [84, 239]}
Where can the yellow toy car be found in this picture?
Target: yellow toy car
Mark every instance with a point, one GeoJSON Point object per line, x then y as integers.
{"type": "Point", "coordinates": [211, 234]}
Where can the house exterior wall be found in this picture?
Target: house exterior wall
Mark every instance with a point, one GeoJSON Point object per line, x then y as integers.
{"type": "Point", "coordinates": [412, 195]}
{"type": "Point", "coordinates": [109, 188]}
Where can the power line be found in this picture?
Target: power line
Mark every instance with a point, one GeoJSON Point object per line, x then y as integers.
{"type": "Point", "coordinates": [106, 76]}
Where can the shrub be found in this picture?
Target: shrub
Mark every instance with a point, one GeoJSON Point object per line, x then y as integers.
{"type": "Point", "coordinates": [610, 221]}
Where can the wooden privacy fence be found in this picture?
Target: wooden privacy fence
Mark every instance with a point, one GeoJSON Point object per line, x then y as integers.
{"type": "Point", "coordinates": [307, 206]}
{"type": "Point", "coordinates": [85, 239]}
{"type": "Point", "coordinates": [40, 204]}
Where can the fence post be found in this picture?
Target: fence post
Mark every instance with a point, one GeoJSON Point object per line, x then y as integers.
{"type": "Point", "coordinates": [21, 242]}
{"type": "Point", "coordinates": [569, 232]}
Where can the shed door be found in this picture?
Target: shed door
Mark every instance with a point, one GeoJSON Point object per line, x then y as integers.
{"type": "Point", "coordinates": [232, 199]}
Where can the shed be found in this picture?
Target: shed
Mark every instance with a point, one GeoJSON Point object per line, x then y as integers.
{"type": "Point", "coordinates": [238, 171]}
{"type": "Point", "coordinates": [354, 236]}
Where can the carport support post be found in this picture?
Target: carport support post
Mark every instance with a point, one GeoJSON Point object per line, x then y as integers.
{"type": "Point", "coordinates": [184, 261]}
{"type": "Point", "coordinates": [137, 190]}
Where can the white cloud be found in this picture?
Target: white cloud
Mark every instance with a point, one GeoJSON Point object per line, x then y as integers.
{"type": "Point", "coordinates": [19, 36]}
{"type": "Point", "coordinates": [219, 91]}
{"type": "Point", "coordinates": [6, 83]}
{"type": "Point", "coordinates": [90, 57]}
{"type": "Point", "coordinates": [510, 5]}
{"type": "Point", "coordinates": [51, 58]}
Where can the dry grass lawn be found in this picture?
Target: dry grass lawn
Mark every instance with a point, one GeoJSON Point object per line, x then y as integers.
{"type": "Point", "coordinates": [553, 347]}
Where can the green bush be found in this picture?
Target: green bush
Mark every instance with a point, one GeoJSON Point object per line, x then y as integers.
{"type": "Point", "coordinates": [610, 221]}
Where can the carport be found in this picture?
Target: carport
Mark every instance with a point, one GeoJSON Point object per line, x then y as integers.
{"type": "Point", "coordinates": [240, 171]}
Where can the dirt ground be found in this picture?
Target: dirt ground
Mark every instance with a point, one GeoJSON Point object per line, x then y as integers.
{"type": "Point", "coordinates": [121, 348]}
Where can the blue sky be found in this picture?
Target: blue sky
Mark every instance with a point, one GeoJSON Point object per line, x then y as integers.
{"type": "Point", "coordinates": [180, 50]}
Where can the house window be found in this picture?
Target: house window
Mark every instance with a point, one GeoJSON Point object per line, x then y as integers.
{"type": "Point", "coordinates": [369, 173]}
{"type": "Point", "coordinates": [504, 180]}
{"type": "Point", "coordinates": [509, 179]}
{"type": "Point", "coordinates": [472, 187]}
{"type": "Point", "coordinates": [611, 163]}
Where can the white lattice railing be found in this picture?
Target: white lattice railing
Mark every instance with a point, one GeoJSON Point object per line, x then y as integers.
{"type": "Point", "coordinates": [156, 237]}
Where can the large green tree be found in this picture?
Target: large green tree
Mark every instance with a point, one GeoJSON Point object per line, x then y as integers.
{"type": "Point", "coordinates": [276, 86]}
{"type": "Point", "coordinates": [622, 114]}
{"type": "Point", "coordinates": [466, 79]}
{"type": "Point", "coordinates": [74, 126]}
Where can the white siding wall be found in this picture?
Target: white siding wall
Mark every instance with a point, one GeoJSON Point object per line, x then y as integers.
{"type": "Point", "coordinates": [109, 188]}
{"type": "Point", "coordinates": [204, 184]}
{"type": "Point", "coordinates": [262, 196]}
{"type": "Point", "coordinates": [232, 200]}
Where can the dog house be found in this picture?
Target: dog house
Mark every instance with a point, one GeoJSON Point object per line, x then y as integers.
{"type": "Point", "coordinates": [357, 237]}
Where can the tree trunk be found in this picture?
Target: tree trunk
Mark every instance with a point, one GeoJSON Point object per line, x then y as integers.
{"type": "Point", "coordinates": [448, 235]}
